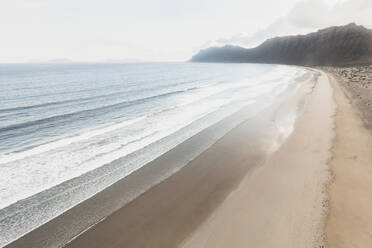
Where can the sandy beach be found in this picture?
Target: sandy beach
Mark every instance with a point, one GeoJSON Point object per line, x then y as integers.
{"type": "Point", "coordinates": [186, 124]}
{"type": "Point", "coordinates": [278, 203]}
{"type": "Point", "coordinates": [313, 190]}
{"type": "Point", "coordinates": [349, 223]}
{"type": "Point", "coordinates": [282, 203]}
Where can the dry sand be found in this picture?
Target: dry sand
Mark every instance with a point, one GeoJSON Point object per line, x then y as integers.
{"type": "Point", "coordinates": [166, 214]}
{"type": "Point", "coordinates": [275, 201]}
{"type": "Point", "coordinates": [281, 204]}
{"type": "Point", "coordinates": [278, 204]}
{"type": "Point", "coordinates": [350, 217]}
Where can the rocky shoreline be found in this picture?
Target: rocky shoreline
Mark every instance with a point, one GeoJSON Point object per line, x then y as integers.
{"type": "Point", "coordinates": [357, 81]}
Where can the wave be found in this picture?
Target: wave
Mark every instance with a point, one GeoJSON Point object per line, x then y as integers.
{"type": "Point", "coordinates": [47, 104]}
{"type": "Point", "coordinates": [89, 112]}
{"type": "Point", "coordinates": [39, 148]}
{"type": "Point", "coordinates": [56, 103]}
{"type": "Point", "coordinates": [66, 141]}
{"type": "Point", "coordinates": [72, 167]}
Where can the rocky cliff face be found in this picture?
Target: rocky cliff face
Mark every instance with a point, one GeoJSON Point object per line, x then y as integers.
{"type": "Point", "coordinates": [343, 45]}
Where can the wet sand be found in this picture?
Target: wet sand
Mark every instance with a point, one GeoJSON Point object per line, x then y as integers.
{"type": "Point", "coordinates": [349, 223]}
{"type": "Point", "coordinates": [168, 212]}
{"type": "Point", "coordinates": [164, 215]}
{"type": "Point", "coordinates": [237, 193]}
{"type": "Point", "coordinates": [312, 192]}
{"type": "Point", "coordinates": [281, 204]}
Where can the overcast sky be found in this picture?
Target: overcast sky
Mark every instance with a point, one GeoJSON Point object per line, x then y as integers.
{"type": "Point", "coordinates": [158, 30]}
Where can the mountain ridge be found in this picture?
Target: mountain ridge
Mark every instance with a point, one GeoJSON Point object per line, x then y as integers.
{"type": "Point", "coordinates": [337, 45]}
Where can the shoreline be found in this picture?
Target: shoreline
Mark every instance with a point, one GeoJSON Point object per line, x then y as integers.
{"type": "Point", "coordinates": [349, 222]}
{"type": "Point", "coordinates": [170, 211]}
{"type": "Point", "coordinates": [56, 232]}
{"type": "Point", "coordinates": [283, 203]}
{"type": "Point", "coordinates": [314, 190]}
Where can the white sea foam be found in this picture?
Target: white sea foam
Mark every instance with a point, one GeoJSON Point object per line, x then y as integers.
{"type": "Point", "coordinates": [32, 171]}
{"type": "Point", "coordinates": [66, 141]}
{"type": "Point", "coordinates": [26, 173]}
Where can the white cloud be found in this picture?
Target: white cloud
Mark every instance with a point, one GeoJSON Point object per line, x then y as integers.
{"type": "Point", "coordinates": [161, 30]}
{"type": "Point", "coordinates": [306, 16]}
{"type": "Point", "coordinates": [157, 30]}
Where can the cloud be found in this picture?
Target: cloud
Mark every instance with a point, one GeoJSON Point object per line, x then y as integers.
{"type": "Point", "coordinates": [305, 16]}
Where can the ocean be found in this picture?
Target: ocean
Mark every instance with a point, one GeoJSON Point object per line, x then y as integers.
{"type": "Point", "coordinates": [68, 131]}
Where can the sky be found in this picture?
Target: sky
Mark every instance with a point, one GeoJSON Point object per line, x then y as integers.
{"type": "Point", "coordinates": [158, 30]}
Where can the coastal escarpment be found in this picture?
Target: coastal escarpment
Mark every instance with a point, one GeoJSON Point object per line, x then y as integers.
{"type": "Point", "coordinates": [338, 46]}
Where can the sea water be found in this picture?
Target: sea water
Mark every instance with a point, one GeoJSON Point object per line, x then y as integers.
{"type": "Point", "coordinates": [61, 123]}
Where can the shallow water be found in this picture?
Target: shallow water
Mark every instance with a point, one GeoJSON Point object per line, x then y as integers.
{"type": "Point", "coordinates": [69, 131]}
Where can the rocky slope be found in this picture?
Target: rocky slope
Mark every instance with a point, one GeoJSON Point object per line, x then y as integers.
{"type": "Point", "coordinates": [341, 45]}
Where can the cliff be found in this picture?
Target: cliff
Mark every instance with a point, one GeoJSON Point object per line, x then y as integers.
{"type": "Point", "coordinates": [341, 45]}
